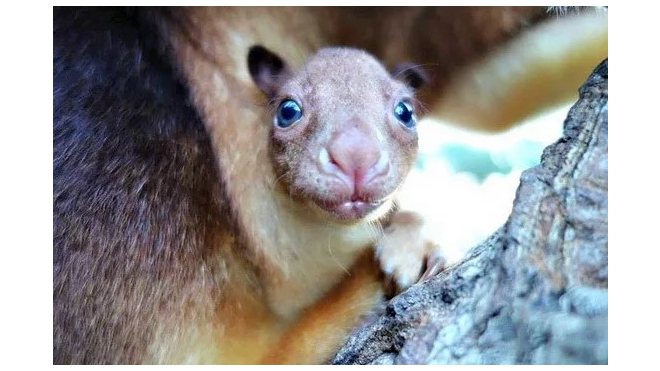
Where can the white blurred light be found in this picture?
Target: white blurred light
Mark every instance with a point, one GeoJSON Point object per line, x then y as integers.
{"type": "Point", "coordinates": [460, 210]}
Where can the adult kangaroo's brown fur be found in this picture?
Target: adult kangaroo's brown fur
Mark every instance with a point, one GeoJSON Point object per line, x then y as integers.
{"type": "Point", "coordinates": [165, 240]}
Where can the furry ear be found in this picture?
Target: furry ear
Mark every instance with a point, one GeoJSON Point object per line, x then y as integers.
{"type": "Point", "coordinates": [411, 74]}
{"type": "Point", "coordinates": [267, 69]}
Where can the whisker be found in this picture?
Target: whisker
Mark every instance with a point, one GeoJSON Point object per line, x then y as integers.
{"type": "Point", "coordinates": [422, 66]}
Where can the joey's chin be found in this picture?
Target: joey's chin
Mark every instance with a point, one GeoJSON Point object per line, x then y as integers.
{"type": "Point", "coordinates": [352, 211]}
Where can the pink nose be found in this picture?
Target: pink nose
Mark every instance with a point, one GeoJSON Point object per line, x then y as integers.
{"type": "Point", "coordinates": [356, 156]}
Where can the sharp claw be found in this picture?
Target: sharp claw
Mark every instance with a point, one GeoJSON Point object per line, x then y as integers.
{"type": "Point", "coordinates": [435, 263]}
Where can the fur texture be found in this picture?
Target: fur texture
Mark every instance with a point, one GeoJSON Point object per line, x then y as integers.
{"type": "Point", "coordinates": [167, 242]}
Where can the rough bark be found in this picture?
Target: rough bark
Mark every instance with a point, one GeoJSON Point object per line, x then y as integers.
{"type": "Point", "coordinates": [535, 292]}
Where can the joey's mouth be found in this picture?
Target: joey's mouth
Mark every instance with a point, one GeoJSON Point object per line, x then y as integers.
{"type": "Point", "coordinates": [350, 209]}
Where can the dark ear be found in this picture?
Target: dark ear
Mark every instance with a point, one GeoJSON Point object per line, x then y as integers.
{"type": "Point", "coordinates": [267, 69]}
{"type": "Point", "coordinates": [411, 74]}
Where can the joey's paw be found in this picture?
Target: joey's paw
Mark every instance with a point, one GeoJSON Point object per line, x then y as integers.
{"type": "Point", "coordinates": [406, 256]}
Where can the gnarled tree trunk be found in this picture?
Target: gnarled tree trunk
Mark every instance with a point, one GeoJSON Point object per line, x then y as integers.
{"type": "Point", "coordinates": [536, 290]}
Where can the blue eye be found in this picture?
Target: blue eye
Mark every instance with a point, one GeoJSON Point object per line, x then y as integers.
{"type": "Point", "coordinates": [405, 114]}
{"type": "Point", "coordinates": [288, 113]}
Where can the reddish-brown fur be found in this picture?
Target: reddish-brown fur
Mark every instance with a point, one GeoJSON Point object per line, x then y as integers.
{"type": "Point", "coordinates": [338, 167]}
{"type": "Point", "coordinates": [168, 242]}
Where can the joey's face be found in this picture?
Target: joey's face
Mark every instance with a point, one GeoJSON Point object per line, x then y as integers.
{"type": "Point", "coordinates": [343, 135]}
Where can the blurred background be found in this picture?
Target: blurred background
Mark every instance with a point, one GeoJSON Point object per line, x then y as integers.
{"type": "Point", "coordinates": [464, 182]}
